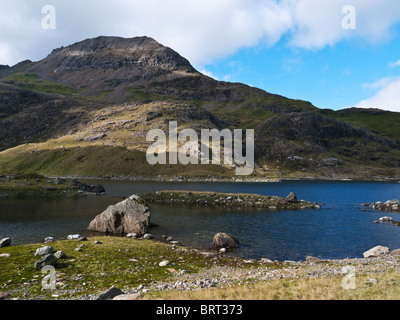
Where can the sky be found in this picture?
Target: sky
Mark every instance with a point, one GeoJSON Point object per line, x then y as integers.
{"type": "Point", "coordinates": [334, 53]}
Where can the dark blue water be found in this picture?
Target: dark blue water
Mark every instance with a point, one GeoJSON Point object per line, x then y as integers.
{"type": "Point", "coordinates": [340, 229]}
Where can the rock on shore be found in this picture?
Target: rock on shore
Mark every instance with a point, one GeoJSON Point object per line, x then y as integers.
{"type": "Point", "coordinates": [5, 242]}
{"type": "Point", "coordinates": [376, 252]}
{"type": "Point", "coordinates": [129, 216]}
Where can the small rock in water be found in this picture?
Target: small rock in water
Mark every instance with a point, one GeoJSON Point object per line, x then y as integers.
{"type": "Point", "coordinates": [131, 235]}
{"type": "Point", "coordinates": [147, 236]}
{"type": "Point", "coordinates": [224, 240]}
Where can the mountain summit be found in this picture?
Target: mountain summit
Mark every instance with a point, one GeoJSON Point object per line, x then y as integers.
{"type": "Point", "coordinates": [109, 63]}
{"type": "Point", "coordinates": [86, 108]}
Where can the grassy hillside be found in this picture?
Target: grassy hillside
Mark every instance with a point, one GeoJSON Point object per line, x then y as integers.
{"type": "Point", "coordinates": [382, 122]}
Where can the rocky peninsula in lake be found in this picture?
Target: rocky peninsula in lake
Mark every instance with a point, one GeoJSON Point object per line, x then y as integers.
{"type": "Point", "coordinates": [239, 200]}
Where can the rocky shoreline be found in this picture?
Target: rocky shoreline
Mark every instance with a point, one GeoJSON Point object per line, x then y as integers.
{"type": "Point", "coordinates": [37, 186]}
{"type": "Point", "coordinates": [215, 178]}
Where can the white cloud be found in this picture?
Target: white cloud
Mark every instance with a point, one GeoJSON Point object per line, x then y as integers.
{"type": "Point", "coordinates": [394, 64]}
{"type": "Point", "coordinates": [386, 97]}
{"type": "Point", "coordinates": [208, 73]}
{"type": "Point", "coordinates": [319, 23]}
{"type": "Point", "coordinates": [202, 31]}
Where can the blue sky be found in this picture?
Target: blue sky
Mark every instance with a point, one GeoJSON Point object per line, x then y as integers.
{"type": "Point", "coordinates": [295, 48]}
{"type": "Point", "coordinates": [334, 77]}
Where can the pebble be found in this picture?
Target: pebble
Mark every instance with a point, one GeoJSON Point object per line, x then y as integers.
{"type": "Point", "coordinates": [164, 263]}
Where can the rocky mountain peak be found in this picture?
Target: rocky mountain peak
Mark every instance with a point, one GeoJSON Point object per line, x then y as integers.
{"type": "Point", "coordinates": [110, 63]}
{"type": "Point", "coordinates": [115, 52]}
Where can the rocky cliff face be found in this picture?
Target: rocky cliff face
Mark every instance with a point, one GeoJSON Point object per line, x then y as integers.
{"type": "Point", "coordinates": [313, 140]}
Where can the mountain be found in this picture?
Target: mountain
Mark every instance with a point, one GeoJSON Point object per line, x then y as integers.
{"type": "Point", "coordinates": [86, 108]}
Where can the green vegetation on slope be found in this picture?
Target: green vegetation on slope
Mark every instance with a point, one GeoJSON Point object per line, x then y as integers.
{"type": "Point", "coordinates": [382, 122]}
{"type": "Point", "coordinates": [96, 161]}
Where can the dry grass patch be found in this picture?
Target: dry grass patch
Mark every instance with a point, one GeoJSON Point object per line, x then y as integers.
{"type": "Point", "coordinates": [387, 287]}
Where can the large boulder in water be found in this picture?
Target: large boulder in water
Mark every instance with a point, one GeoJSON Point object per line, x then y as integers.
{"type": "Point", "coordinates": [129, 216]}
{"type": "Point", "coordinates": [224, 240]}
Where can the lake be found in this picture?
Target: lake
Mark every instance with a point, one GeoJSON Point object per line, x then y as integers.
{"type": "Point", "coordinates": [342, 228]}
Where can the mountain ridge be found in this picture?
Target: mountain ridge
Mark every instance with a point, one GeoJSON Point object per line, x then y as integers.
{"type": "Point", "coordinates": [107, 92]}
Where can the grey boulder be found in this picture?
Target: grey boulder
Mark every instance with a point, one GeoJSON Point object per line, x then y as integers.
{"type": "Point", "coordinates": [224, 240]}
{"type": "Point", "coordinates": [376, 252]}
{"type": "Point", "coordinates": [47, 260]}
{"type": "Point", "coordinates": [43, 251]}
{"type": "Point", "coordinates": [291, 198]}
{"type": "Point", "coordinates": [60, 255]}
{"type": "Point", "coordinates": [5, 242]}
{"type": "Point", "coordinates": [129, 216]}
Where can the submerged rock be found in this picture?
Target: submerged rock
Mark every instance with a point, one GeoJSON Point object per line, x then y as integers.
{"type": "Point", "coordinates": [129, 216]}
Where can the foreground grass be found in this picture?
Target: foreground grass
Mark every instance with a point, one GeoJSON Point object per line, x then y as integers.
{"type": "Point", "coordinates": [117, 261]}
{"type": "Point", "coordinates": [330, 288]}
{"type": "Point", "coordinates": [127, 263]}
